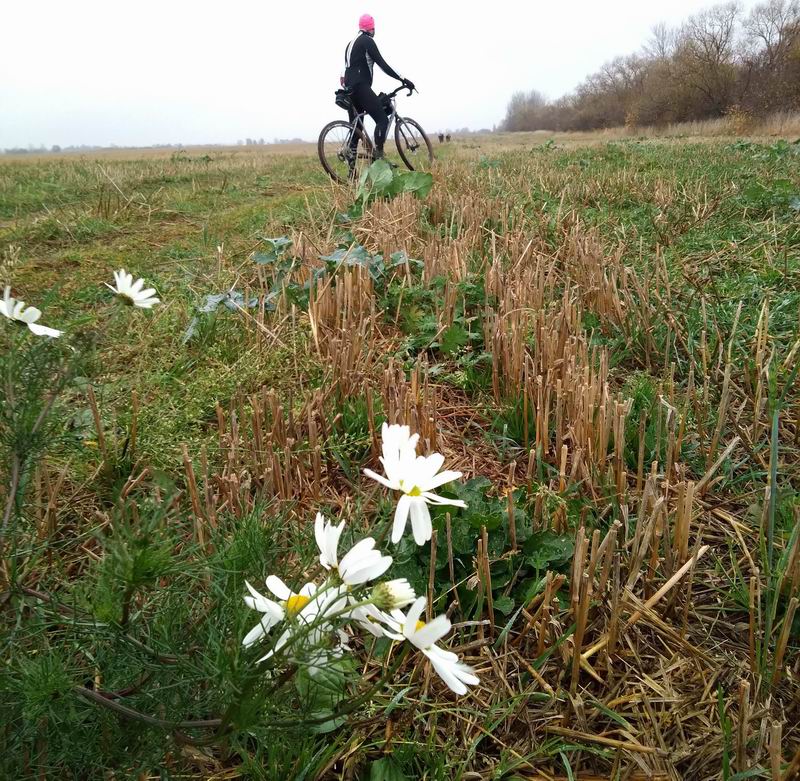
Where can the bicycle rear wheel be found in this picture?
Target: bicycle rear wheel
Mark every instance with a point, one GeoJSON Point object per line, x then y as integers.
{"type": "Point", "coordinates": [413, 145]}
{"type": "Point", "coordinates": [344, 151]}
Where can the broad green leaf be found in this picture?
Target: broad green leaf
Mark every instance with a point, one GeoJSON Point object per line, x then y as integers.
{"type": "Point", "coordinates": [386, 769]}
{"type": "Point", "coordinates": [417, 182]}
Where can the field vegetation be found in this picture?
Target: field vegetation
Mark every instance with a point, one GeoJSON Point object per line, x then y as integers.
{"type": "Point", "coordinates": [603, 336]}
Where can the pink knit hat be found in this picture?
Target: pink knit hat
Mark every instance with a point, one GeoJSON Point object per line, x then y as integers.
{"type": "Point", "coordinates": [366, 23]}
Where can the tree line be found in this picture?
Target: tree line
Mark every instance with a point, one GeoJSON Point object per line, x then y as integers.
{"type": "Point", "coordinates": [719, 62]}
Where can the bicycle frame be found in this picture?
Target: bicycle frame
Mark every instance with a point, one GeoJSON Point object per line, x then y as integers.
{"type": "Point", "coordinates": [358, 123]}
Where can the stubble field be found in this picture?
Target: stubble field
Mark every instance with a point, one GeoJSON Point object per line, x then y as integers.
{"type": "Point", "coordinates": [602, 336]}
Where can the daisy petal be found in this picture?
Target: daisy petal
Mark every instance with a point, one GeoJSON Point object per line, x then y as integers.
{"type": "Point", "coordinates": [379, 478]}
{"type": "Point", "coordinates": [278, 587]}
{"type": "Point", "coordinates": [369, 571]}
{"type": "Point", "coordinates": [432, 632]}
{"type": "Point", "coordinates": [431, 464]}
{"type": "Point", "coordinates": [446, 672]}
{"type": "Point", "coordinates": [400, 518]}
{"type": "Point", "coordinates": [411, 618]}
{"type": "Point", "coordinates": [443, 477]}
{"type": "Point", "coordinates": [43, 330]}
{"type": "Point", "coordinates": [420, 520]}
{"type": "Point", "coordinates": [256, 633]}
{"type": "Point", "coordinates": [436, 499]}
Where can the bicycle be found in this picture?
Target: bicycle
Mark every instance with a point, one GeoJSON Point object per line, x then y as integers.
{"type": "Point", "coordinates": [345, 148]}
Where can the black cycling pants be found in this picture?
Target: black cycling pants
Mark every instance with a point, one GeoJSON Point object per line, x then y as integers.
{"type": "Point", "coordinates": [364, 99]}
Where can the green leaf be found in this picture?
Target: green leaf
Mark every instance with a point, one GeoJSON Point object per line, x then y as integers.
{"type": "Point", "coordinates": [507, 628]}
{"type": "Point", "coordinates": [324, 690]}
{"type": "Point", "coordinates": [453, 338]}
{"type": "Point", "coordinates": [396, 700]}
{"type": "Point", "coordinates": [613, 715]}
{"type": "Point", "coordinates": [567, 766]}
{"type": "Point", "coordinates": [417, 182]}
{"type": "Point", "coordinates": [376, 179]}
{"type": "Point", "coordinates": [329, 725]}
{"type": "Point", "coordinates": [386, 769]}
{"type": "Point", "coordinates": [503, 604]}
{"type": "Point", "coordinates": [532, 588]}
{"type": "Point", "coordinates": [276, 248]}
{"type": "Point", "coordinates": [463, 537]}
{"type": "Point", "coordinates": [546, 548]}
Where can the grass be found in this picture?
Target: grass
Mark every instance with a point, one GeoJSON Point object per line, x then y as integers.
{"type": "Point", "coordinates": [603, 335]}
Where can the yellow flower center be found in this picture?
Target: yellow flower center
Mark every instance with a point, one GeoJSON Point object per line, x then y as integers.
{"type": "Point", "coordinates": [296, 603]}
{"type": "Point", "coordinates": [419, 626]}
{"type": "Point", "coordinates": [415, 491]}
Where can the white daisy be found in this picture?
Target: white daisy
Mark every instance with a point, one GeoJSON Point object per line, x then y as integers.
{"type": "Point", "coordinates": [17, 311]}
{"type": "Point", "coordinates": [307, 611]}
{"type": "Point", "coordinates": [416, 477]}
{"type": "Point", "coordinates": [360, 564]}
{"type": "Point", "coordinates": [131, 292]}
{"type": "Point", "coordinates": [273, 614]}
{"type": "Point", "coordinates": [424, 636]}
{"type": "Point", "coordinates": [293, 603]}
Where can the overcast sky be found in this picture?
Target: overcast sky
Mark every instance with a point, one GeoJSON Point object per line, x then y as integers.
{"type": "Point", "coordinates": [169, 71]}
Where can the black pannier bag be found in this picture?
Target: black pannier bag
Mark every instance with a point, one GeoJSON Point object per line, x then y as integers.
{"type": "Point", "coordinates": [344, 99]}
{"type": "Point", "coordinates": [386, 102]}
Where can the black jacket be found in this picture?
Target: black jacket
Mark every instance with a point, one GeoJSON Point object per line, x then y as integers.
{"type": "Point", "coordinates": [359, 57]}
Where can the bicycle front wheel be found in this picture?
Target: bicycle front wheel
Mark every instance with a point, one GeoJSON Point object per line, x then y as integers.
{"type": "Point", "coordinates": [413, 145]}
{"type": "Point", "coordinates": [344, 151]}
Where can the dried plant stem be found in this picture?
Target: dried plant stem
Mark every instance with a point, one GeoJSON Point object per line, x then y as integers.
{"type": "Point", "coordinates": [775, 756]}
{"type": "Point", "coordinates": [487, 573]}
{"type": "Point", "coordinates": [581, 610]}
{"type": "Point", "coordinates": [742, 726]}
{"type": "Point", "coordinates": [431, 576]}
{"type": "Point", "coordinates": [653, 600]}
{"type": "Point", "coordinates": [13, 487]}
{"type": "Point", "coordinates": [101, 438]}
{"type": "Point", "coordinates": [783, 640]}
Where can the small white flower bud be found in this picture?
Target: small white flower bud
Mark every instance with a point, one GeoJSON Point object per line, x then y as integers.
{"type": "Point", "coordinates": [393, 594]}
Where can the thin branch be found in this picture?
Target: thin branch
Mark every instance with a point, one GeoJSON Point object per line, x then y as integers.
{"type": "Point", "coordinates": [107, 701]}
{"type": "Point", "coordinates": [12, 494]}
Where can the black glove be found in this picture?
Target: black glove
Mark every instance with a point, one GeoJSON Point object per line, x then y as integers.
{"type": "Point", "coordinates": [408, 84]}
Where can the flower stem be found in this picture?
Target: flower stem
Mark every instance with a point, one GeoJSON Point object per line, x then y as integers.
{"type": "Point", "coordinates": [12, 493]}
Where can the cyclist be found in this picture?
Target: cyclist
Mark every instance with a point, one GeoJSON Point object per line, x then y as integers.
{"type": "Point", "coordinates": [360, 55]}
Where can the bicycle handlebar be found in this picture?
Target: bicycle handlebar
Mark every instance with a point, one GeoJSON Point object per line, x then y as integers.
{"type": "Point", "coordinates": [395, 92]}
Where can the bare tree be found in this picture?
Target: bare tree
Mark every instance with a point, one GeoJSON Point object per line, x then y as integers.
{"type": "Point", "coordinates": [773, 50]}
{"type": "Point", "coordinates": [706, 56]}
{"type": "Point", "coordinates": [775, 26]}
{"type": "Point", "coordinates": [716, 63]}
{"type": "Point", "coordinates": [524, 110]}
{"type": "Point", "coordinates": [662, 43]}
